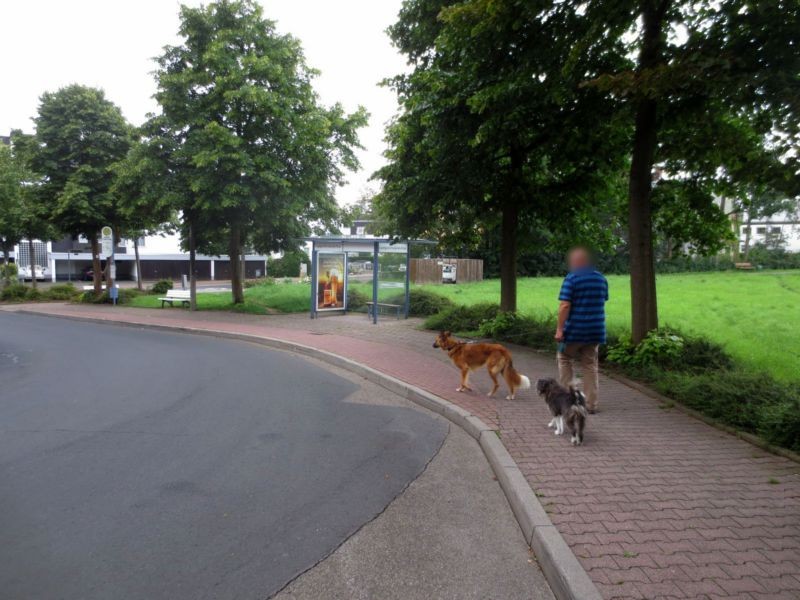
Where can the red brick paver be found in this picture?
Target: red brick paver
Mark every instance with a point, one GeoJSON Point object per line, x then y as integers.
{"type": "Point", "coordinates": [655, 505]}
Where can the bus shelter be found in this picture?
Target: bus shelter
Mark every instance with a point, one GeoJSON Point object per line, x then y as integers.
{"type": "Point", "coordinates": [378, 266]}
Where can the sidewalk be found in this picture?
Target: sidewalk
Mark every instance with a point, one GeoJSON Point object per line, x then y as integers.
{"type": "Point", "coordinates": [655, 505]}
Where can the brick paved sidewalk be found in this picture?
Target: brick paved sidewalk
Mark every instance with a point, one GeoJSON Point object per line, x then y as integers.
{"type": "Point", "coordinates": [655, 505]}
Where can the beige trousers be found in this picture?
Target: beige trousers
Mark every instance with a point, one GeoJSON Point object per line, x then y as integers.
{"type": "Point", "coordinates": [586, 354]}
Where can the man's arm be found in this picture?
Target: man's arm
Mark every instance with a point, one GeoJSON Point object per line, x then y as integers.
{"type": "Point", "coordinates": [563, 315]}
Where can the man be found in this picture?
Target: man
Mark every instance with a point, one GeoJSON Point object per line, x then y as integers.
{"type": "Point", "coordinates": [581, 322]}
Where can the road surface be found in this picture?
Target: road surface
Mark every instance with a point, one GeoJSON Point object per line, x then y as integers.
{"type": "Point", "coordinates": [141, 464]}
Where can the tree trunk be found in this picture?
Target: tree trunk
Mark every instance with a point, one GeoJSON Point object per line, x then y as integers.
{"type": "Point", "coordinates": [234, 254]}
{"type": "Point", "coordinates": [138, 263]}
{"type": "Point", "coordinates": [6, 254]}
{"type": "Point", "coordinates": [508, 258]}
{"type": "Point", "coordinates": [96, 271]}
{"type": "Point", "coordinates": [32, 261]}
{"type": "Point", "coordinates": [110, 263]}
{"type": "Point", "coordinates": [644, 309]}
{"type": "Point", "coordinates": [748, 231]}
{"type": "Point", "coordinates": [192, 269]}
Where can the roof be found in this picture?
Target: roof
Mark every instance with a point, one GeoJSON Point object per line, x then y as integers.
{"type": "Point", "coordinates": [365, 240]}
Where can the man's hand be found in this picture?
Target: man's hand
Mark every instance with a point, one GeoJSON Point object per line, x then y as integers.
{"type": "Point", "coordinates": [559, 336]}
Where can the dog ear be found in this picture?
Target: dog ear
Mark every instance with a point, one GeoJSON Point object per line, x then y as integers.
{"type": "Point", "coordinates": [446, 333]}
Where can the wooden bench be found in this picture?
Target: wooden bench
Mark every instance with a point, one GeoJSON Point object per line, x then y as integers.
{"type": "Point", "coordinates": [744, 266]}
{"type": "Point", "coordinates": [182, 296]}
{"type": "Point", "coordinates": [371, 306]}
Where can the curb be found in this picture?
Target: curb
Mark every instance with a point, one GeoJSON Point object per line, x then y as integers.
{"type": "Point", "coordinates": [567, 578]}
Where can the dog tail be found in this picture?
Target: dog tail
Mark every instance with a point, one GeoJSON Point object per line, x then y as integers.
{"type": "Point", "coordinates": [520, 381]}
{"type": "Point", "coordinates": [576, 421]}
{"type": "Point", "coordinates": [578, 396]}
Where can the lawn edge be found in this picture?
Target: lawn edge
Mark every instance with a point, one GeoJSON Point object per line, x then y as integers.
{"type": "Point", "coordinates": [566, 576]}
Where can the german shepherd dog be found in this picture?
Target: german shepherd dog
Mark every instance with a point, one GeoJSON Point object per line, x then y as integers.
{"type": "Point", "coordinates": [470, 356]}
{"type": "Point", "coordinates": [565, 405]}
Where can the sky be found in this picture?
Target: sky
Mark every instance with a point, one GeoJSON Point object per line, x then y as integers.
{"type": "Point", "coordinates": [110, 44]}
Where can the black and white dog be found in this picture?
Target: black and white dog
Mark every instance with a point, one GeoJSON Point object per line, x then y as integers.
{"type": "Point", "coordinates": [567, 406]}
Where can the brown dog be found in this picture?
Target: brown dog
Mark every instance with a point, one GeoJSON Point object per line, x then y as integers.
{"type": "Point", "coordinates": [468, 357]}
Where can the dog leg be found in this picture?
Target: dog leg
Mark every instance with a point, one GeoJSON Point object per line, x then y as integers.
{"type": "Point", "coordinates": [560, 426]}
{"type": "Point", "coordinates": [552, 423]}
{"type": "Point", "coordinates": [494, 381]}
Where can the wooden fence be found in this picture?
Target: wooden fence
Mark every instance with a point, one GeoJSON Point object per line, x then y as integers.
{"type": "Point", "coordinates": [429, 270]}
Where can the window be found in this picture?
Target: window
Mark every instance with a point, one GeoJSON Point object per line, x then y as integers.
{"type": "Point", "coordinates": [745, 230]}
{"type": "Point", "coordinates": [360, 230]}
{"type": "Point", "coordinates": [761, 230]}
{"type": "Point", "coordinates": [140, 242]}
{"type": "Point", "coordinates": [774, 229]}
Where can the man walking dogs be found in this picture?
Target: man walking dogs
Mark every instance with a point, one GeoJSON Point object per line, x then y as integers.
{"type": "Point", "coordinates": [581, 322]}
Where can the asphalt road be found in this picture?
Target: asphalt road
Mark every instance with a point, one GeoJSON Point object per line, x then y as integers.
{"type": "Point", "coordinates": [142, 464]}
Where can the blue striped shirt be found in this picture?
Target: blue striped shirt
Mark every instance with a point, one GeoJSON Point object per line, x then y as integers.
{"type": "Point", "coordinates": [587, 292]}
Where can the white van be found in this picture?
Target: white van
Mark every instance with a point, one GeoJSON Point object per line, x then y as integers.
{"type": "Point", "coordinates": [448, 273]}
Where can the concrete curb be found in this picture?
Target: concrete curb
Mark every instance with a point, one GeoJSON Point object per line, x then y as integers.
{"type": "Point", "coordinates": [567, 578]}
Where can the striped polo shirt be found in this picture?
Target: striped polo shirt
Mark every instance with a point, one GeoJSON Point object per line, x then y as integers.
{"type": "Point", "coordinates": [587, 292]}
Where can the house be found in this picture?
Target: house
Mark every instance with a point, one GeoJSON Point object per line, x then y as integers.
{"type": "Point", "coordinates": [782, 229]}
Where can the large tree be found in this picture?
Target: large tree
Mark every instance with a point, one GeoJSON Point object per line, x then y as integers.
{"type": "Point", "coordinates": [80, 136]}
{"type": "Point", "coordinates": [10, 205]}
{"type": "Point", "coordinates": [264, 155]}
{"type": "Point", "coordinates": [714, 96]}
{"type": "Point", "coordinates": [496, 130]}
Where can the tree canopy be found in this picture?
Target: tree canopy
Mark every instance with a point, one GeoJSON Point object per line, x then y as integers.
{"type": "Point", "coordinates": [262, 155]}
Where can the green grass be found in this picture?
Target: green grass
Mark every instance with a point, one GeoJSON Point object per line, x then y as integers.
{"type": "Point", "coordinates": [259, 300]}
{"type": "Point", "coordinates": [754, 315]}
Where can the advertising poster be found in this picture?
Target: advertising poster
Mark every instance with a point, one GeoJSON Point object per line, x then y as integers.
{"type": "Point", "coordinates": [330, 281]}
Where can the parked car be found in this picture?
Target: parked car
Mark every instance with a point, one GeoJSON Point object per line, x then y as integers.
{"type": "Point", "coordinates": [448, 273]}
{"type": "Point", "coordinates": [42, 273]}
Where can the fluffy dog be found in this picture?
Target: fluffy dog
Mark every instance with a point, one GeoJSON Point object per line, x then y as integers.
{"type": "Point", "coordinates": [566, 405]}
{"type": "Point", "coordinates": [468, 357]}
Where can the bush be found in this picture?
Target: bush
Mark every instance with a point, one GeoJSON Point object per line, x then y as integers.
{"type": "Point", "coordinates": [773, 258]}
{"type": "Point", "coordinates": [462, 318]}
{"type": "Point", "coordinates": [669, 350]}
{"type": "Point", "coordinates": [8, 272]}
{"type": "Point", "coordinates": [751, 402]}
{"type": "Point", "coordinates": [124, 297]}
{"type": "Point", "coordinates": [251, 283]}
{"type": "Point", "coordinates": [422, 303]}
{"type": "Point", "coordinates": [161, 287]}
{"type": "Point", "coordinates": [64, 291]}
{"type": "Point", "coordinates": [780, 423]}
{"type": "Point", "coordinates": [34, 295]}
{"type": "Point", "coordinates": [14, 292]}
{"type": "Point", "coordinates": [288, 265]}
{"type": "Point", "coordinates": [521, 329]}
{"type": "Point", "coordinates": [356, 299]}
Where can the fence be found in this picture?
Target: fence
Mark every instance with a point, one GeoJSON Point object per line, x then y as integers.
{"type": "Point", "coordinates": [429, 270]}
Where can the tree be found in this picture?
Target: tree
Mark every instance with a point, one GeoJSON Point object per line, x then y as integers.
{"type": "Point", "coordinates": [80, 136]}
{"type": "Point", "coordinates": [496, 131]}
{"type": "Point", "coordinates": [142, 210]}
{"type": "Point", "coordinates": [713, 96]}
{"type": "Point", "coordinates": [264, 155]}
{"type": "Point", "coordinates": [24, 214]}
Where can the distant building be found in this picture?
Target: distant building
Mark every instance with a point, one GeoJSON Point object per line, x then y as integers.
{"type": "Point", "coordinates": [5, 139]}
{"type": "Point", "coordinates": [781, 230]}
{"type": "Point", "coordinates": [161, 257]}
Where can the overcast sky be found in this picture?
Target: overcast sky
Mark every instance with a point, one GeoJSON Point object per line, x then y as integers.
{"type": "Point", "coordinates": [46, 44]}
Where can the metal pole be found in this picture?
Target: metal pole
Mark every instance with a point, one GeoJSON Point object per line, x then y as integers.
{"type": "Point", "coordinates": [408, 276]}
{"type": "Point", "coordinates": [375, 250]}
{"type": "Point", "coordinates": [314, 259]}
{"type": "Point", "coordinates": [69, 266]}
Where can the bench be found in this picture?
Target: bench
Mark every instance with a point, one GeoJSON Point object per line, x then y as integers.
{"type": "Point", "coordinates": [90, 288]}
{"type": "Point", "coordinates": [371, 306]}
{"type": "Point", "coordinates": [744, 266]}
{"type": "Point", "coordinates": [182, 296]}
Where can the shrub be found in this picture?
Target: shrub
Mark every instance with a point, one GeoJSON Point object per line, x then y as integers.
{"type": "Point", "coordinates": [65, 291]}
{"type": "Point", "coordinates": [288, 265]}
{"type": "Point", "coordinates": [422, 303]}
{"type": "Point", "coordinates": [124, 297]}
{"type": "Point", "coordinates": [14, 292]}
{"type": "Point", "coordinates": [737, 398]}
{"type": "Point", "coordinates": [356, 299]}
{"type": "Point", "coordinates": [251, 283]}
{"type": "Point", "coordinates": [520, 329]}
{"type": "Point", "coordinates": [780, 423]}
{"type": "Point", "coordinates": [462, 318]}
{"type": "Point", "coordinates": [161, 287]}
{"type": "Point", "coordinates": [34, 295]}
{"type": "Point", "coordinates": [667, 349]}
{"type": "Point", "coordinates": [8, 272]}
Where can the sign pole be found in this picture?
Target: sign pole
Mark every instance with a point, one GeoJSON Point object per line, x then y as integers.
{"type": "Point", "coordinates": [375, 251]}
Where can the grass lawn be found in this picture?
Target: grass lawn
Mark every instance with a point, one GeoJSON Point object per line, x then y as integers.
{"type": "Point", "coordinates": [755, 315]}
{"type": "Point", "coordinates": [259, 300]}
